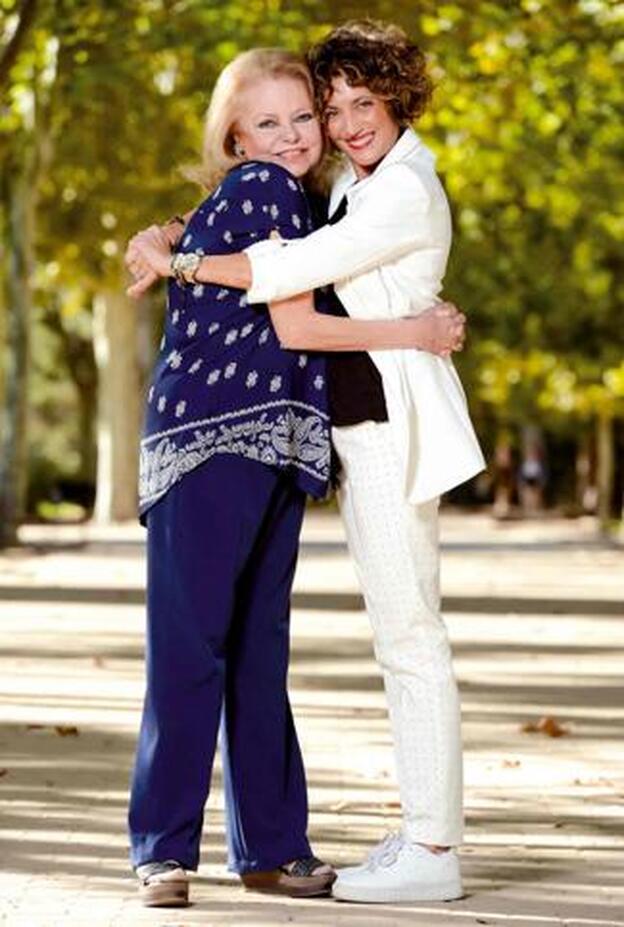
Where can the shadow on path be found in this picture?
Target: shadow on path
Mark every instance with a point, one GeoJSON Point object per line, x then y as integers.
{"type": "Point", "coordinates": [329, 601]}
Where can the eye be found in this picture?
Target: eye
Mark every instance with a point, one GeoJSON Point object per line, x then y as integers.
{"type": "Point", "coordinates": [365, 104]}
{"type": "Point", "coordinates": [330, 114]}
{"type": "Point", "coordinates": [267, 124]}
{"type": "Point", "coordinates": [304, 117]}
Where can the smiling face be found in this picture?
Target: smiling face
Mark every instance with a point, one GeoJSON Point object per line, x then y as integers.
{"type": "Point", "coordinates": [276, 122]}
{"type": "Point", "coordinates": [360, 124]}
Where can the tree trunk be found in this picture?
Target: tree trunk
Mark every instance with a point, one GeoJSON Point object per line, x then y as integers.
{"type": "Point", "coordinates": [11, 50]}
{"type": "Point", "coordinates": [115, 338]}
{"type": "Point", "coordinates": [604, 467]}
{"type": "Point", "coordinates": [17, 205]}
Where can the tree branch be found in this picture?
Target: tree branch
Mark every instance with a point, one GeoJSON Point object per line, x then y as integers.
{"type": "Point", "coordinates": [9, 54]}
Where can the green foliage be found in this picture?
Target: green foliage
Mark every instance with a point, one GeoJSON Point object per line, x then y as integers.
{"type": "Point", "coordinates": [529, 129]}
{"type": "Point", "coordinates": [527, 122]}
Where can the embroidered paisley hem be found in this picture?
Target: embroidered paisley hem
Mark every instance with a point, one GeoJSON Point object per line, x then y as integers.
{"type": "Point", "coordinates": [285, 434]}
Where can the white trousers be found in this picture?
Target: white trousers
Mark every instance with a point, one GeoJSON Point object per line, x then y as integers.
{"type": "Point", "coordinates": [395, 547]}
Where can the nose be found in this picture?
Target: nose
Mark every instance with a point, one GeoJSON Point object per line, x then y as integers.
{"type": "Point", "coordinates": [350, 124]}
{"type": "Point", "coordinates": [292, 132]}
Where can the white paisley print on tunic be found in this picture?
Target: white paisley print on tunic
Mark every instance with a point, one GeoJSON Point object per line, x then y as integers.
{"type": "Point", "coordinates": [280, 433]}
{"type": "Point", "coordinates": [252, 398]}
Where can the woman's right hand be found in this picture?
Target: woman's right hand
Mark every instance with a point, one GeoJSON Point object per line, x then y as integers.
{"type": "Point", "coordinates": [441, 329]}
{"type": "Point", "coordinates": [144, 275]}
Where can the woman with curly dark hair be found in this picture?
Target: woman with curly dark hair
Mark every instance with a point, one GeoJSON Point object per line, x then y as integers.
{"type": "Point", "coordinates": [401, 428]}
{"type": "Point", "coordinates": [381, 58]}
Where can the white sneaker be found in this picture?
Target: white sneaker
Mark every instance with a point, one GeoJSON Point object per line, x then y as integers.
{"type": "Point", "coordinates": [400, 871]}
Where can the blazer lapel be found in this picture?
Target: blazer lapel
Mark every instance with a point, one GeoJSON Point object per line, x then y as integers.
{"type": "Point", "coordinates": [344, 180]}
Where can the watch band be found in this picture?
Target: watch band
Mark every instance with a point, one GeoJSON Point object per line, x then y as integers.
{"type": "Point", "coordinates": [184, 266]}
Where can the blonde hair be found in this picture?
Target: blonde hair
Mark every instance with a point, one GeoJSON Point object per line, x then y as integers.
{"type": "Point", "coordinates": [218, 155]}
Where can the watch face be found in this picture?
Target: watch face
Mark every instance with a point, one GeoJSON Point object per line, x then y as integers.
{"type": "Point", "coordinates": [187, 262]}
{"type": "Point", "coordinates": [185, 266]}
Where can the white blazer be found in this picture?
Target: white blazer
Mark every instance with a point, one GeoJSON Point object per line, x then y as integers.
{"type": "Point", "coordinates": [387, 258]}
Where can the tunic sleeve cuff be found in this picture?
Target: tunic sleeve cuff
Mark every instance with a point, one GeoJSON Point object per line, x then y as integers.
{"type": "Point", "coordinates": [261, 257]}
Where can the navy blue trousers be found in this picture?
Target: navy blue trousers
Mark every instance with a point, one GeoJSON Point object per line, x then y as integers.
{"type": "Point", "coordinates": [222, 550]}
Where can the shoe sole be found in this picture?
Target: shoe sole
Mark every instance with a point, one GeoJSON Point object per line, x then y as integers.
{"type": "Point", "coordinates": [278, 883]}
{"type": "Point", "coordinates": [444, 892]}
{"type": "Point", "coordinates": [165, 895]}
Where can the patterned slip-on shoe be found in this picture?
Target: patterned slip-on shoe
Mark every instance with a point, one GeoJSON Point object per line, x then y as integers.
{"type": "Point", "coordinates": [304, 878]}
{"type": "Point", "coordinates": [163, 884]}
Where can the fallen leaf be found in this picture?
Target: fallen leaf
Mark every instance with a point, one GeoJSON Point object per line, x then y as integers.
{"type": "Point", "coordinates": [551, 727]}
{"type": "Point", "coordinates": [511, 764]}
{"type": "Point", "coordinates": [3, 772]}
{"type": "Point", "coordinates": [35, 727]}
{"type": "Point", "coordinates": [546, 725]}
{"type": "Point", "coordinates": [529, 727]}
{"type": "Point", "coordinates": [66, 730]}
{"type": "Point", "coordinates": [99, 661]}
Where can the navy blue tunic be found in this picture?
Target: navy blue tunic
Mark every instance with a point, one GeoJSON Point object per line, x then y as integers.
{"type": "Point", "coordinates": [222, 384]}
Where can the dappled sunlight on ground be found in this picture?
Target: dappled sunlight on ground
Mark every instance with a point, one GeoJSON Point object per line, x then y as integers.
{"type": "Point", "coordinates": [534, 621]}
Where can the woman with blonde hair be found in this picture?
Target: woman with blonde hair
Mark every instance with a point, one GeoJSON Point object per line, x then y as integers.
{"type": "Point", "coordinates": [236, 435]}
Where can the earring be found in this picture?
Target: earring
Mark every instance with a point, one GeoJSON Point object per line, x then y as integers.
{"type": "Point", "coordinates": [239, 151]}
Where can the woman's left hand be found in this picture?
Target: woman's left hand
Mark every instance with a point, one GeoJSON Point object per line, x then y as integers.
{"type": "Point", "coordinates": [458, 320]}
{"type": "Point", "coordinates": [441, 329]}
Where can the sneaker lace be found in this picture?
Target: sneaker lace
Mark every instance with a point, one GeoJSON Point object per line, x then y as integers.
{"type": "Point", "coordinates": [385, 853]}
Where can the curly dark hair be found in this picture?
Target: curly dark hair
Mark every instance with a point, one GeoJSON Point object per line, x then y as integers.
{"type": "Point", "coordinates": [376, 55]}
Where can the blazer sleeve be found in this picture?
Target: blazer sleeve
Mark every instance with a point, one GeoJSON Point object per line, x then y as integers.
{"type": "Point", "coordinates": [390, 221]}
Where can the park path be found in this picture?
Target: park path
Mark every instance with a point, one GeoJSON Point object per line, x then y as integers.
{"type": "Point", "coordinates": [536, 618]}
